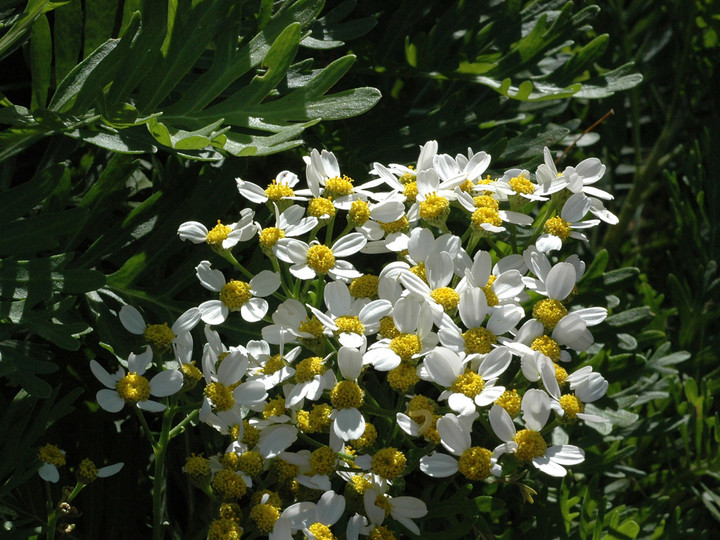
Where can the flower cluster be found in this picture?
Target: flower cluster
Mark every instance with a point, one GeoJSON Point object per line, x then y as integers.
{"type": "Point", "coordinates": [440, 318]}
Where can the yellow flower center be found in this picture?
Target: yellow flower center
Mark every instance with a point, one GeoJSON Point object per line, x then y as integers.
{"type": "Point", "coordinates": [323, 460]}
{"type": "Point", "coordinates": [380, 532]}
{"type": "Point", "coordinates": [479, 340]}
{"type": "Point", "coordinates": [264, 516]}
{"type": "Point", "coordinates": [434, 208]}
{"type": "Point", "coordinates": [561, 374]}
{"type": "Point", "coordinates": [224, 529]}
{"type": "Point", "coordinates": [359, 214]}
{"type": "Point", "coordinates": [360, 484]}
{"type": "Point", "coordinates": [309, 368]}
{"type": "Point", "coordinates": [368, 437]}
{"type": "Point", "coordinates": [421, 402]}
{"type": "Point", "coordinates": [474, 463]}
{"type": "Point", "coordinates": [220, 396]}
{"type": "Point", "coordinates": [229, 485]}
{"type": "Point", "coordinates": [510, 401]}
{"type": "Point", "coordinates": [447, 297]}
{"type": "Point", "coordinates": [549, 312]}
{"type": "Point", "coordinates": [321, 532]}
{"type": "Point", "coordinates": [486, 201]}
{"type": "Point", "coordinates": [490, 296]}
{"type": "Point", "coordinates": [548, 346]}
{"type": "Point", "coordinates": [235, 293]}
{"type": "Point", "coordinates": [273, 498]}
{"type": "Point", "coordinates": [133, 388]}
{"type": "Point", "coordinates": [405, 346]}
{"type": "Point", "coordinates": [86, 471]}
{"type": "Point", "coordinates": [383, 501]}
{"type": "Point", "coordinates": [197, 466]}
{"type": "Point", "coordinates": [235, 431]}
{"type": "Point", "coordinates": [349, 324]}
{"type": "Point", "coordinates": [485, 215]}
{"type": "Point", "coordinates": [52, 455]}
{"type": "Point", "coordinates": [231, 461]}
{"type": "Point", "coordinates": [312, 326]}
{"type": "Point", "coordinates": [389, 463]}
{"type": "Point", "coordinates": [319, 418]}
{"type": "Point", "coordinates": [557, 226]}
{"type": "Point", "coordinates": [388, 328]}
{"type": "Point", "coordinates": [270, 236]}
{"type": "Point", "coordinates": [274, 407]}
{"type": "Point", "coordinates": [217, 234]}
{"type": "Point", "coordinates": [251, 463]}
{"type": "Point", "coordinates": [346, 395]}
{"type": "Point", "coordinates": [320, 258]}
{"type": "Point", "coordinates": [410, 191]}
{"type": "Point", "coordinates": [530, 444]}
{"type": "Point", "coordinates": [251, 434]}
{"type": "Point", "coordinates": [230, 510]}
{"type": "Point", "coordinates": [520, 184]}
{"type": "Point", "coordinates": [398, 225]}
{"type": "Point", "coordinates": [469, 384]}
{"type": "Point", "coordinates": [408, 176]}
{"type": "Point", "coordinates": [420, 271]}
{"type": "Point", "coordinates": [467, 186]}
{"type": "Point", "coordinates": [275, 192]}
{"type": "Point", "coordinates": [191, 372]}
{"type": "Point", "coordinates": [403, 377]}
{"type": "Point", "coordinates": [273, 365]}
{"type": "Point", "coordinates": [366, 286]}
{"type": "Point", "coordinates": [159, 335]}
{"type": "Point", "coordinates": [284, 469]}
{"type": "Point", "coordinates": [319, 207]}
{"type": "Point", "coordinates": [338, 187]}
{"type": "Point", "coordinates": [572, 406]}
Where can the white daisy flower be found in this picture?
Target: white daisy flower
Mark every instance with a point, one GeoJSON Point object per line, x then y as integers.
{"type": "Point", "coordinates": [474, 462]}
{"type": "Point", "coordinates": [403, 509]}
{"type": "Point", "coordinates": [51, 458]}
{"type": "Point", "coordinates": [221, 236]}
{"type": "Point", "coordinates": [487, 219]}
{"type": "Point", "coordinates": [160, 335]}
{"type": "Point", "coordinates": [311, 260]}
{"type": "Point", "coordinates": [134, 389]}
{"type": "Point", "coordinates": [528, 444]}
{"type": "Point", "coordinates": [312, 377]}
{"type": "Point", "coordinates": [288, 224]}
{"type": "Point", "coordinates": [279, 191]}
{"type": "Point", "coordinates": [346, 397]}
{"type": "Point", "coordinates": [235, 295]}
{"type": "Point", "coordinates": [559, 228]}
{"type": "Point", "coordinates": [313, 519]}
{"type": "Point", "coordinates": [571, 407]}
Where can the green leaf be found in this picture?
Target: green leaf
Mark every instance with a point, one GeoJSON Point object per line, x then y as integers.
{"type": "Point", "coordinates": [33, 10]}
{"type": "Point", "coordinates": [634, 316]}
{"type": "Point", "coordinates": [99, 22]}
{"type": "Point", "coordinates": [19, 200]}
{"type": "Point", "coordinates": [41, 232]}
{"type": "Point", "coordinates": [40, 61]}
{"type": "Point", "coordinates": [67, 41]}
{"type": "Point", "coordinates": [21, 362]}
{"type": "Point", "coordinates": [621, 276]}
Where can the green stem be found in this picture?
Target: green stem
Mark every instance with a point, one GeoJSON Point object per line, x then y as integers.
{"type": "Point", "coordinates": [160, 450]}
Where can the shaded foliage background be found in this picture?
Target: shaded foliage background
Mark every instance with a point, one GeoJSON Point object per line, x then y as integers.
{"type": "Point", "coordinates": [107, 148]}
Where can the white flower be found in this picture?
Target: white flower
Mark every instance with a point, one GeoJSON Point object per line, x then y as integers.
{"type": "Point", "coordinates": [178, 335]}
{"type": "Point", "coordinates": [133, 388]}
{"type": "Point", "coordinates": [288, 224]}
{"type": "Point", "coordinates": [528, 445]}
{"type": "Point", "coordinates": [571, 406]}
{"type": "Point", "coordinates": [221, 236]}
{"type": "Point", "coordinates": [476, 463]}
{"type": "Point", "coordinates": [235, 295]}
{"type": "Point", "coordinates": [279, 190]}
{"type": "Point", "coordinates": [456, 171]}
{"type": "Point", "coordinates": [309, 261]}
{"type": "Point", "coordinates": [560, 228]}
{"type": "Point", "coordinates": [487, 219]}
{"type": "Point", "coordinates": [348, 422]}
{"type": "Point", "coordinates": [313, 519]}
{"type": "Point", "coordinates": [403, 509]}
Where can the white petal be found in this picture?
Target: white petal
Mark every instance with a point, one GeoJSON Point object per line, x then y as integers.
{"type": "Point", "coordinates": [213, 312]}
{"type": "Point", "coordinates": [495, 363]}
{"type": "Point", "coordinates": [473, 307]}
{"type": "Point", "coordinates": [138, 363]}
{"type": "Point", "coordinates": [438, 465]}
{"type": "Point", "coordinates": [275, 439]}
{"type": "Point", "coordinates": [166, 383]}
{"type": "Point", "coordinates": [187, 321]}
{"type": "Point", "coordinates": [348, 244]}
{"type": "Point", "coordinates": [536, 409]}
{"type": "Point", "coordinates": [103, 376]}
{"type": "Point", "coordinates": [452, 434]}
{"type": "Point", "coordinates": [151, 406]}
{"type": "Point", "coordinates": [349, 424]}
{"type": "Point", "coordinates": [49, 473]}
{"type": "Point", "coordinates": [561, 280]}
{"type": "Point", "coordinates": [250, 393]}
{"type": "Point", "coordinates": [254, 309]}
{"type": "Point", "coordinates": [265, 283]}
{"type": "Point", "coordinates": [409, 507]}
{"type": "Point", "coordinates": [501, 423]}
{"type": "Point", "coordinates": [575, 208]}
{"type": "Point", "coordinates": [549, 467]}
{"type": "Point", "coordinates": [329, 508]}
{"type": "Point", "coordinates": [211, 279]}
{"type": "Point", "coordinates": [109, 400]}
{"type": "Point", "coordinates": [547, 243]}
{"type": "Point", "coordinates": [566, 454]}
{"type": "Point", "coordinates": [252, 192]}
{"type": "Point", "coordinates": [350, 362]}
{"type": "Point", "coordinates": [193, 231]}
{"type": "Point", "coordinates": [132, 320]}
{"type": "Point", "coordinates": [110, 470]}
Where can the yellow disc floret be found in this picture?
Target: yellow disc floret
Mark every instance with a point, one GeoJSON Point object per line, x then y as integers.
{"type": "Point", "coordinates": [549, 312]}
{"type": "Point", "coordinates": [133, 388]}
{"type": "Point", "coordinates": [474, 463]}
{"type": "Point", "coordinates": [251, 434]}
{"type": "Point", "coordinates": [368, 437]}
{"type": "Point", "coordinates": [479, 340]}
{"type": "Point", "coordinates": [561, 374]}
{"type": "Point", "coordinates": [403, 377]}
{"type": "Point", "coordinates": [380, 532]}
{"type": "Point", "coordinates": [197, 466]}
{"type": "Point", "coordinates": [309, 368]}
{"type": "Point", "coordinates": [338, 187]}
{"type": "Point", "coordinates": [405, 346]}
{"type": "Point", "coordinates": [275, 192]}
{"type": "Point", "coordinates": [321, 208]}
{"type": "Point", "coordinates": [273, 365]}
{"type": "Point", "coordinates": [571, 405]}
{"type": "Point", "coordinates": [217, 234]}
{"type": "Point", "coordinates": [434, 208]}
{"type": "Point", "coordinates": [520, 184]}
{"type": "Point", "coordinates": [229, 485]}
{"type": "Point", "coordinates": [346, 395]}
{"type": "Point", "coordinates": [86, 472]}
{"type": "Point", "coordinates": [320, 258]}
{"type": "Point", "coordinates": [359, 213]}
{"type": "Point", "coordinates": [160, 336]}
{"type": "Point", "coordinates": [557, 226]}
{"type": "Point", "coordinates": [486, 201]}
{"type": "Point", "coordinates": [548, 346]}
{"type": "Point", "coordinates": [269, 237]}
{"type": "Point", "coordinates": [389, 463]}
{"type": "Point", "coordinates": [490, 295]}
{"type": "Point", "coordinates": [485, 215]}
{"type": "Point", "coordinates": [235, 293]}
{"type": "Point", "coordinates": [398, 225]}
{"type": "Point", "coordinates": [323, 460]}
{"type": "Point", "coordinates": [230, 510]}
{"type": "Point", "coordinates": [388, 328]}
{"type": "Point", "coordinates": [319, 418]}
{"type": "Point", "coordinates": [469, 384]}
{"type": "Point", "coordinates": [366, 286]}
{"type": "Point", "coordinates": [447, 297]}
{"type": "Point", "coordinates": [321, 531]}
{"type": "Point", "coordinates": [284, 469]}
{"type": "Point", "coordinates": [530, 444]}
{"type": "Point", "coordinates": [312, 326]}
{"type": "Point", "coordinates": [410, 191]}
{"type": "Point", "coordinates": [510, 401]}
{"type": "Point", "coordinates": [220, 396]}
{"type": "Point", "coordinates": [420, 271]}
{"type": "Point", "coordinates": [52, 455]}
{"type": "Point", "coordinates": [274, 407]}
{"type": "Point", "coordinates": [264, 516]}
{"type": "Point", "coordinates": [224, 529]}
{"type": "Point", "coordinates": [349, 324]}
